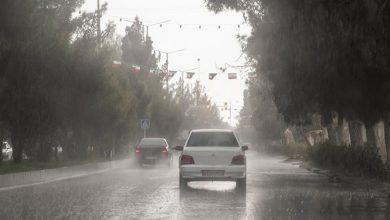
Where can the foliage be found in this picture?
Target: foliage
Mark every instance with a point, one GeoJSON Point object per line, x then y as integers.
{"type": "Point", "coordinates": [264, 115]}
{"type": "Point", "coordinates": [58, 86]}
{"type": "Point", "coordinates": [329, 57]}
{"type": "Point", "coordinates": [357, 160]}
{"type": "Point", "coordinates": [321, 56]}
{"type": "Point", "coordinates": [297, 149]}
{"type": "Point", "coordinates": [199, 110]}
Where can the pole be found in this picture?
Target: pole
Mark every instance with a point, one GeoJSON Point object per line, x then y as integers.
{"type": "Point", "coordinates": [182, 84]}
{"type": "Point", "coordinates": [144, 132]}
{"type": "Point", "coordinates": [230, 108]}
{"type": "Point", "coordinates": [199, 70]}
{"type": "Point", "coordinates": [167, 76]}
{"type": "Point", "coordinates": [98, 25]}
{"type": "Point", "coordinates": [198, 91]}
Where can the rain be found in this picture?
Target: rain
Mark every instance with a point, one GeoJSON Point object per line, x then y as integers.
{"type": "Point", "coordinates": [196, 109]}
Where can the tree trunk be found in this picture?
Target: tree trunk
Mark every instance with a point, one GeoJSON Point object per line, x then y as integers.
{"type": "Point", "coordinates": [44, 149]}
{"type": "Point", "coordinates": [387, 141]}
{"type": "Point", "coordinates": [333, 135]}
{"type": "Point", "coordinates": [355, 131]}
{"type": "Point", "coordinates": [113, 145]}
{"type": "Point", "coordinates": [1, 154]}
{"type": "Point", "coordinates": [343, 132]}
{"type": "Point", "coordinates": [56, 152]}
{"type": "Point", "coordinates": [18, 146]}
{"type": "Point", "coordinates": [371, 139]}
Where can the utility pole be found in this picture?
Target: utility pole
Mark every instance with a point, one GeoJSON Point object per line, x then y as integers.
{"type": "Point", "coordinates": [198, 84]}
{"type": "Point", "coordinates": [167, 76]}
{"type": "Point", "coordinates": [182, 85]}
{"type": "Point", "coordinates": [199, 70]}
{"type": "Point", "coordinates": [167, 73]}
{"type": "Point", "coordinates": [98, 25]}
{"type": "Point", "coordinates": [230, 111]}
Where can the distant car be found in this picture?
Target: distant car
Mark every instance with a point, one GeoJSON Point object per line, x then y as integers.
{"type": "Point", "coordinates": [212, 155]}
{"type": "Point", "coordinates": [153, 151]}
{"type": "Point", "coordinates": [6, 151]}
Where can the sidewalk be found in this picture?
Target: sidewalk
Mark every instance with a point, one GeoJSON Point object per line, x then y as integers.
{"type": "Point", "coordinates": [334, 177]}
{"type": "Point", "coordinates": [16, 180]}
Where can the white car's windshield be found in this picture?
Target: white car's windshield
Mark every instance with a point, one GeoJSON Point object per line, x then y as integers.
{"type": "Point", "coordinates": [225, 139]}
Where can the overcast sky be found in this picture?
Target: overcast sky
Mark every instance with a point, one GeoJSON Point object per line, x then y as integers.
{"type": "Point", "coordinates": [212, 45]}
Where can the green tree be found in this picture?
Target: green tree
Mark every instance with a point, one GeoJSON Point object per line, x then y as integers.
{"type": "Point", "coordinates": [322, 56]}
{"type": "Point", "coordinates": [34, 42]}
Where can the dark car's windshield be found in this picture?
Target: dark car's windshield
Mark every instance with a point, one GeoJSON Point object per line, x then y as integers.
{"type": "Point", "coordinates": [152, 142]}
{"type": "Point", "coordinates": [225, 139]}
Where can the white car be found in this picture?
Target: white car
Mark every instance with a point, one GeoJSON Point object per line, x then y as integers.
{"type": "Point", "coordinates": [212, 155]}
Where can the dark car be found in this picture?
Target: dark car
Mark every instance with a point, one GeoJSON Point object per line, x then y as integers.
{"type": "Point", "coordinates": [153, 151]}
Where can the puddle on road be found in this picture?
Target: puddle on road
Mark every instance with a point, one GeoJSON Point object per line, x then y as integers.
{"type": "Point", "coordinates": [213, 186]}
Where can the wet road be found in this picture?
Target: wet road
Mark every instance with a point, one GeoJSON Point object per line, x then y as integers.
{"type": "Point", "coordinates": [275, 190]}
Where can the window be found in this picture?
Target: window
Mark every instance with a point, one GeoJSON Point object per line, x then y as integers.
{"type": "Point", "coordinates": [224, 139]}
{"type": "Point", "coordinates": [152, 142]}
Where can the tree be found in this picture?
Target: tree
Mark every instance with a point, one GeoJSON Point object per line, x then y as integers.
{"type": "Point", "coordinates": [321, 57]}
{"type": "Point", "coordinates": [153, 101]}
{"type": "Point", "coordinates": [29, 69]}
{"type": "Point", "coordinates": [260, 112]}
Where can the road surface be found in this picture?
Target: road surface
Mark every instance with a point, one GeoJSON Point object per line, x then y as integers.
{"type": "Point", "coordinates": [275, 190]}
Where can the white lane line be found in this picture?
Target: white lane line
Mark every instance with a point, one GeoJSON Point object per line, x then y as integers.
{"type": "Point", "coordinates": [53, 180]}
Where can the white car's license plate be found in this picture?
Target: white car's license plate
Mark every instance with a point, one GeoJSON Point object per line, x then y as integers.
{"type": "Point", "coordinates": [151, 158]}
{"type": "Point", "coordinates": [213, 173]}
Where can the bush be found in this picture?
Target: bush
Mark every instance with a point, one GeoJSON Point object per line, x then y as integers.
{"type": "Point", "coordinates": [363, 161]}
{"type": "Point", "coordinates": [296, 148]}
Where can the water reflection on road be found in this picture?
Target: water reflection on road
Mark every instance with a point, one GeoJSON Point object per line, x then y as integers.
{"type": "Point", "coordinates": [275, 190]}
